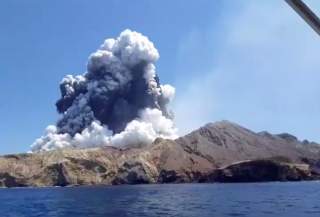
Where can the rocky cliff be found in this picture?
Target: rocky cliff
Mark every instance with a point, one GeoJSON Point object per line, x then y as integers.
{"type": "Point", "coordinates": [218, 152]}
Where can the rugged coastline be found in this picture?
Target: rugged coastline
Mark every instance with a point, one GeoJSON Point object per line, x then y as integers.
{"type": "Point", "coordinates": [218, 152]}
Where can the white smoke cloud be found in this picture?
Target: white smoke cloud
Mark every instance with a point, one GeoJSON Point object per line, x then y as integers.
{"type": "Point", "coordinates": [146, 129]}
{"type": "Point", "coordinates": [168, 92]}
{"type": "Point", "coordinates": [118, 101]}
{"type": "Point", "coordinates": [51, 140]}
{"type": "Point", "coordinates": [140, 132]}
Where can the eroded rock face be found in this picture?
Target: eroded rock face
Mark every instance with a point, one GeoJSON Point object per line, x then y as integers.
{"type": "Point", "coordinates": [6, 180]}
{"type": "Point", "coordinates": [105, 166]}
{"type": "Point", "coordinates": [220, 152]}
{"type": "Point", "coordinates": [262, 171]}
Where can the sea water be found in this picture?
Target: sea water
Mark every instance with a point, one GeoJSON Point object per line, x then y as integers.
{"type": "Point", "coordinates": [290, 199]}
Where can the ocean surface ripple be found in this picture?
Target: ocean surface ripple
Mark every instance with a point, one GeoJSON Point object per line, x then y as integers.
{"type": "Point", "coordinates": [291, 199]}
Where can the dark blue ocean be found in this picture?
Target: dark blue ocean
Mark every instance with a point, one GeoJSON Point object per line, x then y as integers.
{"type": "Point", "coordinates": [300, 199]}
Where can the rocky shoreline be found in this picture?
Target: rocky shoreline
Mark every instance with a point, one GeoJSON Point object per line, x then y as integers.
{"type": "Point", "coordinates": [220, 152]}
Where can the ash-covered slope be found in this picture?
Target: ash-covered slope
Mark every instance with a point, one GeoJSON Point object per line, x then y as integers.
{"type": "Point", "coordinates": [163, 161]}
{"type": "Point", "coordinates": [225, 142]}
{"type": "Point", "coordinates": [219, 152]}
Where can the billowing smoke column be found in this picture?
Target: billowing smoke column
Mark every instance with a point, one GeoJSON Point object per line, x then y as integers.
{"type": "Point", "coordinates": [118, 101]}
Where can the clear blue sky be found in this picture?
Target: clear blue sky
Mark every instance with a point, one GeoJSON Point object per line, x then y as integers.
{"type": "Point", "coordinates": [252, 62]}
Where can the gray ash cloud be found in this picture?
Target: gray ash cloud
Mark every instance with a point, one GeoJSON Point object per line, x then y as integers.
{"type": "Point", "coordinates": [119, 89]}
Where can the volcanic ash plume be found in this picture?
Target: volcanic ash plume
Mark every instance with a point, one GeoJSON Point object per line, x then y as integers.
{"type": "Point", "coordinates": [118, 101]}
